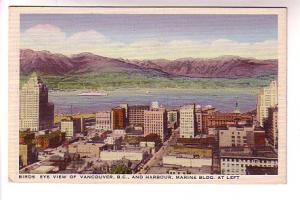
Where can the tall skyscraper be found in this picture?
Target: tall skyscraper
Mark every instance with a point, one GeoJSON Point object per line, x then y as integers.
{"type": "Point", "coordinates": [118, 116]}
{"type": "Point", "coordinates": [267, 98]}
{"type": "Point", "coordinates": [187, 121]}
{"type": "Point", "coordinates": [36, 113]}
{"type": "Point", "coordinates": [156, 122]}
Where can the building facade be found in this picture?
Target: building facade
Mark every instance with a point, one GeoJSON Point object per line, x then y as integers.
{"type": "Point", "coordinates": [118, 117]}
{"type": "Point", "coordinates": [28, 154]}
{"type": "Point", "coordinates": [198, 114]}
{"type": "Point", "coordinates": [187, 160]}
{"type": "Point", "coordinates": [91, 150]}
{"type": "Point", "coordinates": [234, 161]}
{"type": "Point", "coordinates": [136, 114]}
{"type": "Point", "coordinates": [187, 121]}
{"type": "Point", "coordinates": [103, 121]}
{"type": "Point", "coordinates": [70, 127]}
{"type": "Point", "coordinates": [36, 113]}
{"type": "Point", "coordinates": [241, 136]}
{"type": "Point", "coordinates": [173, 116]}
{"type": "Point", "coordinates": [271, 126]}
{"type": "Point", "coordinates": [266, 98]}
{"type": "Point", "coordinates": [125, 106]}
{"type": "Point", "coordinates": [155, 122]}
{"type": "Point", "coordinates": [218, 119]}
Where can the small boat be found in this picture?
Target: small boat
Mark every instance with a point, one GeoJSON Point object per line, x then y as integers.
{"type": "Point", "coordinates": [93, 94]}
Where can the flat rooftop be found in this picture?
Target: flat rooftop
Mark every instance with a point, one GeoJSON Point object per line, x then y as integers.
{"type": "Point", "coordinates": [190, 170]}
{"type": "Point", "coordinates": [248, 152]}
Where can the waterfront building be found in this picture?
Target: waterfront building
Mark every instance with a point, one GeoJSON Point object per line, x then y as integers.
{"type": "Point", "coordinates": [103, 121]}
{"type": "Point", "coordinates": [136, 114]}
{"type": "Point", "coordinates": [235, 160]}
{"type": "Point", "coordinates": [187, 121]}
{"type": "Point", "coordinates": [266, 98]}
{"type": "Point", "coordinates": [36, 113]}
{"type": "Point", "coordinates": [118, 117]}
{"type": "Point", "coordinates": [155, 122]}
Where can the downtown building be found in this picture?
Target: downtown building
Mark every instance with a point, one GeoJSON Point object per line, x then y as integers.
{"type": "Point", "coordinates": [271, 126]}
{"type": "Point", "coordinates": [118, 118]}
{"type": "Point", "coordinates": [173, 116]}
{"type": "Point", "coordinates": [36, 113]}
{"type": "Point", "coordinates": [198, 114]}
{"type": "Point", "coordinates": [70, 127]}
{"type": "Point", "coordinates": [237, 160]}
{"type": "Point", "coordinates": [156, 122]}
{"type": "Point", "coordinates": [266, 98]}
{"type": "Point", "coordinates": [218, 119]}
{"type": "Point", "coordinates": [103, 121]}
{"type": "Point", "coordinates": [187, 121]}
{"type": "Point", "coordinates": [136, 114]}
{"type": "Point", "coordinates": [241, 136]}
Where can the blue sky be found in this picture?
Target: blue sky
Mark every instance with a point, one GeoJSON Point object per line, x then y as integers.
{"type": "Point", "coordinates": [162, 30]}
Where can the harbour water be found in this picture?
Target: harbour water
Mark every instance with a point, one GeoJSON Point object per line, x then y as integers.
{"type": "Point", "coordinates": [223, 100]}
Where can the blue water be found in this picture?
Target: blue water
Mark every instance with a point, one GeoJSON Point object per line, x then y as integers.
{"type": "Point", "coordinates": [222, 100]}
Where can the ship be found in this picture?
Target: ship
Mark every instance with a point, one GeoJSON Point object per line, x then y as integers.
{"type": "Point", "coordinates": [93, 94]}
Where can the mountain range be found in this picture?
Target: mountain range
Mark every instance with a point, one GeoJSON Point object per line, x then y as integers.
{"type": "Point", "coordinates": [47, 63]}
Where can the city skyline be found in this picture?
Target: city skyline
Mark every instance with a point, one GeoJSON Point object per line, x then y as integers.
{"type": "Point", "coordinates": [144, 139]}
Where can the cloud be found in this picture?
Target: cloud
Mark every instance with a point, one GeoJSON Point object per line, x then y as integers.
{"type": "Point", "coordinates": [52, 38]}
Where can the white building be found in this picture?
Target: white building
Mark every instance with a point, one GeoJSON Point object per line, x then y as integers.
{"type": "Point", "coordinates": [36, 113]}
{"type": "Point", "coordinates": [186, 160]}
{"type": "Point", "coordinates": [122, 154]}
{"type": "Point", "coordinates": [234, 161]}
{"type": "Point", "coordinates": [187, 121]}
{"type": "Point", "coordinates": [70, 127]}
{"type": "Point", "coordinates": [103, 121]}
{"type": "Point", "coordinates": [267, 98]}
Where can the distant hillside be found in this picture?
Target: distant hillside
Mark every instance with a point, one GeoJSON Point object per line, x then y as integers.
{"type": "Point", "coordinates": [220, 67]}
{"type": "Point", "coordinates": [47, 63]}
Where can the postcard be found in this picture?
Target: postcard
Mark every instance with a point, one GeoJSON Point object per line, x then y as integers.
{"type": "Point", "coordinates": [147, 95]}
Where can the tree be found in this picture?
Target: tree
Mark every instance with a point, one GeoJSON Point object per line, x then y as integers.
{"type": "Point", "coordinates": [120, 169]}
